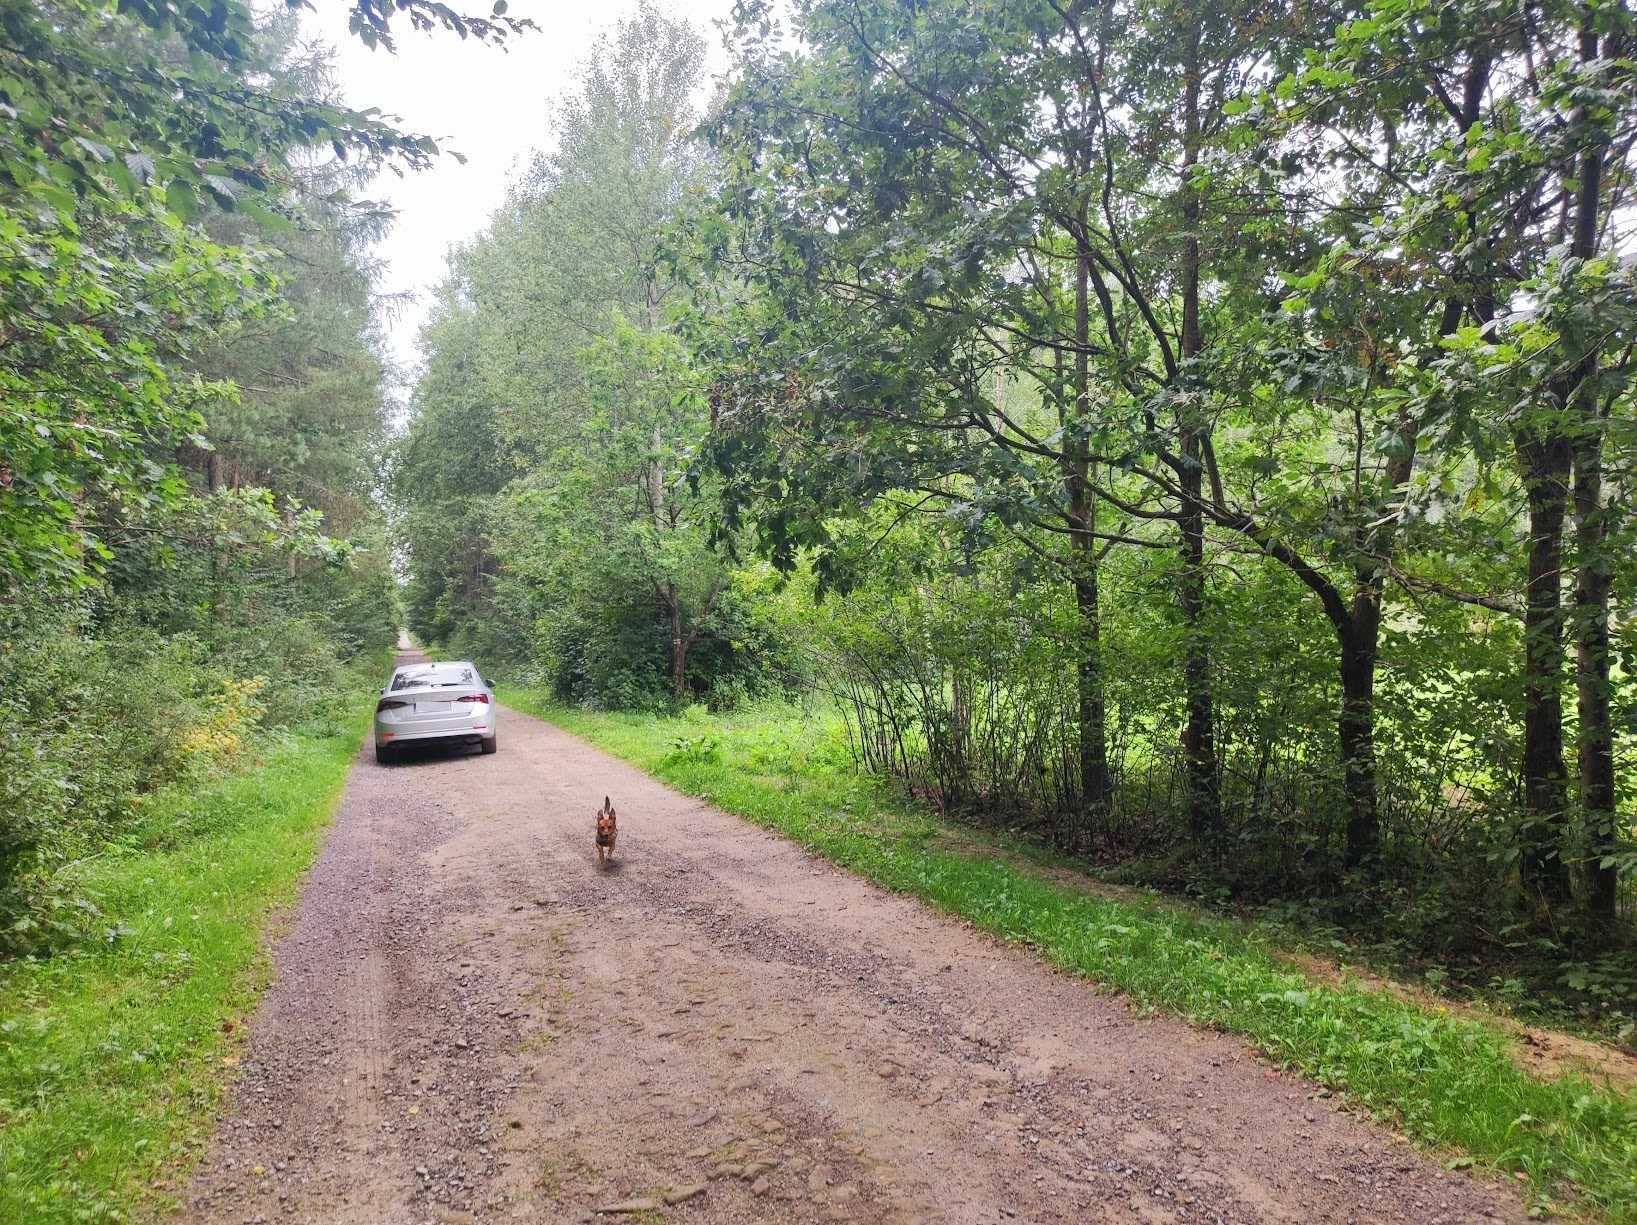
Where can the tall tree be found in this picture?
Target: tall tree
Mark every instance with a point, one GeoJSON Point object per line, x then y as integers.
{"type": "Point", "coordinates": [989, 197]}
{"type": "Point", "coordinates": [567, 304]}
{"type": "Point", "coordinates": [1519, 129]}
{"type": "Point", "coordinates": [121, 129]}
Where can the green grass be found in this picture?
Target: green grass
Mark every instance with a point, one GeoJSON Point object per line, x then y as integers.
{"type": "Point", "coordinates": [1448, 1081]}
{"type": "Point", "coordinates": [112, 1057]}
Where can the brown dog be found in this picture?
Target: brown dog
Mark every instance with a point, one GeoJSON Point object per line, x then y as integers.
{"type": "Point", "coordinates": [607, 831]}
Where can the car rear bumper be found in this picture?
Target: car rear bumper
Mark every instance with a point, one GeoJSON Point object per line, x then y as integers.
{"type": "Point", "coordinates": [450, 735]}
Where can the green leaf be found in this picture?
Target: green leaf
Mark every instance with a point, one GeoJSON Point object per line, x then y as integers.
{"type": "Point", "coordinates": [224, 191]}
{"type": "Point", "coordinates": [60, 198]}
{"type": "Point", "coordinates": [181, 200]}
{"type": "Point", "coordinates": [269, 220]}
{"type": "Point", "coordinates": [100, 152]}
{"type": "Point", "coordinates": [1391, 443]}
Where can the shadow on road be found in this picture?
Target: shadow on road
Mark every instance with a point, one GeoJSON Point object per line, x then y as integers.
{"type": "Point", "coordinates": [411, 754]}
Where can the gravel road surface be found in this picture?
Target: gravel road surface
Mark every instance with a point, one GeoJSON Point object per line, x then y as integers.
{"type": "Point", "coordinates": [472, 1022]}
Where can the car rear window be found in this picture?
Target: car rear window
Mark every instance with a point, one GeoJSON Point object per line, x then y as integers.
{"type": "Point", "coordinates": [434, 676]}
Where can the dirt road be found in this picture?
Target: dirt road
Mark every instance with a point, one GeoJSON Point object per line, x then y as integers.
{"type": "Point", "coordinates": [472, 1022]}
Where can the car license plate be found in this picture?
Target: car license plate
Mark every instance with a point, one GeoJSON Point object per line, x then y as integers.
{"type": "Point", "coordinates": [432, 708]}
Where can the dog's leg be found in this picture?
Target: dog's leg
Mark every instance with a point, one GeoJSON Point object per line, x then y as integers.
{"type": "Point", "coordinates": [612, 839]}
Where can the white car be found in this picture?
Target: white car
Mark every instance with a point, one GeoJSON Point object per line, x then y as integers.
{"type": "Point", "coordinates": [435, 702]}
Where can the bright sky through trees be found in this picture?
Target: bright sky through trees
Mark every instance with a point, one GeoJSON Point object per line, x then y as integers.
{"type": "Point", "coordinates": [494, 108]}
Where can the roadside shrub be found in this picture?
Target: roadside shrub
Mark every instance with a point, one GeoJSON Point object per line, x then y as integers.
{"type": "Point", "coordinates": [611, 657]}
{"type": "Point", "coordinates": [954, 662]}
{"type": "Point", "coordinates": [87, 723]}
{"type": "Point", "coordinates": [299, 659]}
{"type": "Point", "coordinates": [695, 750]}
{"type": "Point", "coordinates": [612, 652]}
{"type": "Point", "coordinates": [231, 714]}
{"type": "Point", "coordinates": [110, 696]}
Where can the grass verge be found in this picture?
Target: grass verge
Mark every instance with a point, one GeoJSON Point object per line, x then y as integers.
{"type": "Point", "coordinates": [112, 1057]}
{"type": "Point", "coordinates": [1448, 1081]}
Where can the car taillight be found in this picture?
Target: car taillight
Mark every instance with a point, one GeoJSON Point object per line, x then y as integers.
{"type": "Point", "coordinates": [389, 704]}
{"type": "Point", "coordinates": [475, 697]}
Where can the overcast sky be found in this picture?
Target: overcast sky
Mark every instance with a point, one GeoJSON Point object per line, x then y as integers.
{"type": "Point", "coordinates": [491, 105]}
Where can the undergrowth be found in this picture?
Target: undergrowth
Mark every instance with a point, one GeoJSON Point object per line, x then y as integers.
{"type": "Point", "coordinates": [1447, 1080]}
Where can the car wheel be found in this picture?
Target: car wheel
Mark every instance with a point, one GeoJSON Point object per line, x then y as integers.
{"type": "Point", "coordinates": [491, 744]}
{"type": "Point", "coordinates": [385, 754]}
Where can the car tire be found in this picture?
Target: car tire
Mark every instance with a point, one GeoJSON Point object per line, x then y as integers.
{"type": "Point", "coordinates": [385, 755]}
{"type": "Point", "coordinates": [491, 743]}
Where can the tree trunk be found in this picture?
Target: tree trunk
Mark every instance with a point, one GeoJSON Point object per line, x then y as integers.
{"type": "Point", "coordinates": [656, 483]}
{"type": "Point", "coordinates": [1546, 469]}
{"type": "Point", "coordinates": [679, 646]}
{"type": "Point", "coordinates": [1596, 731]}
{"type": "Point", "coordinates": [1593, 574]}
{"type": "Point", "coordinates": [1549, 455]}
{"type": "Point", "coordinates": [1091, 715]}
{"type": "Point", "coordinates": [289, 518]}
{"type": "Point", "coordinates": [1204, 801]}
{"type": "Point", "coordinates": [1356, 723]}
{"type": "Point", "coordinates": [213, 482]}
{"type": "Point", "coordinates": [1094, 780]}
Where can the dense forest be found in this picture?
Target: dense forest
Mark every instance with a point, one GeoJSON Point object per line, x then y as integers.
{"type": "Point", "coordinates": [1154, 482]}
{"type": "Point", "coordinates": [1201, 435]}
{"type": "Point", "coordinates": [192, 420]}
{"type": "Point", "coordinates": [1198, 436]}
